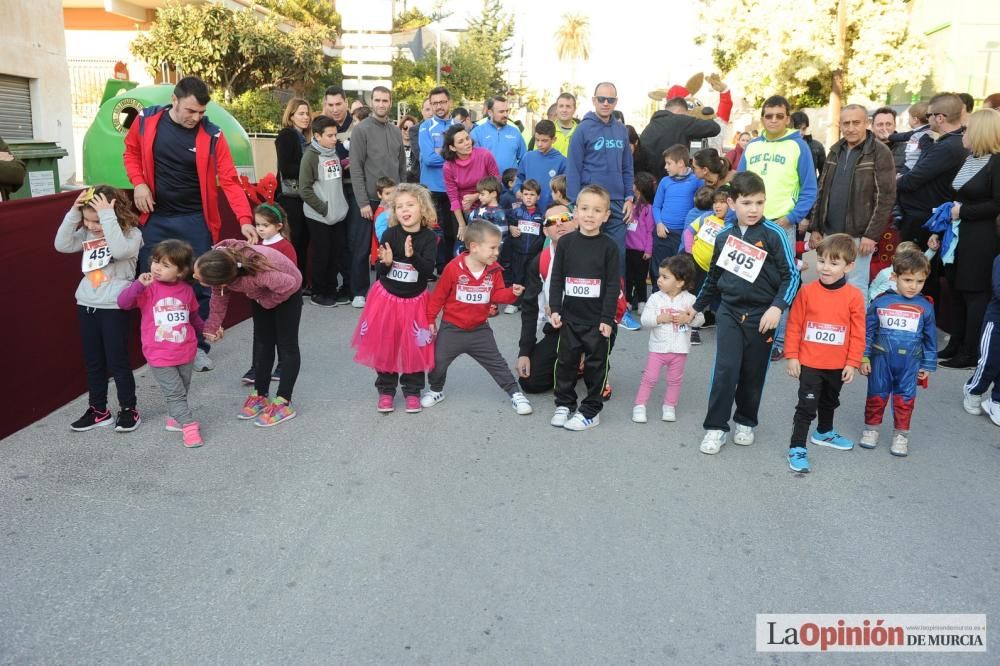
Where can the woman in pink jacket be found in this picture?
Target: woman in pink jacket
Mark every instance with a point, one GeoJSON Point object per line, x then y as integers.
{"type": "Point", "coordinates": [464, 166]}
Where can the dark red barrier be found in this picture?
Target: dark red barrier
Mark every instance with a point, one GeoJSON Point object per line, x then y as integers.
{"type": "Point", "coordinates": [41, 332]}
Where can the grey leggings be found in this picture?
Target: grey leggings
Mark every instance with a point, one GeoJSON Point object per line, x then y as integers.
{"type": "Point", "coordinates": [174, 382]}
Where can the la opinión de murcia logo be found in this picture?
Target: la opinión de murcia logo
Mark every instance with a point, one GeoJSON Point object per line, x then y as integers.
{"type": "Point", "coordinates": [871, 633]}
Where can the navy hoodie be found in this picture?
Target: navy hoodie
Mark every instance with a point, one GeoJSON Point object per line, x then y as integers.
{"type": "Point", "coordinates": [599, 154]}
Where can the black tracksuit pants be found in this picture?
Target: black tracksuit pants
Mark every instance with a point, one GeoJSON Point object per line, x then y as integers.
{"type": "Point", "coordinates": [277, 328]}
{"type": "Point", "coordinates": [574, 340]}
{"type": "Point", "coordinates": [819, 391]}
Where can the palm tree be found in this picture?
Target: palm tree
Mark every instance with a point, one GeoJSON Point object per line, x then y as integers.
{"type": "Point", "coordinates": [573, 40]}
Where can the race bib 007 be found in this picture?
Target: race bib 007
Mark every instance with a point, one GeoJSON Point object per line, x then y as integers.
{"type": "Point", "coordinates": [899, 320]}
{"type": "Point", "coordinates": [476, 295]}
{"type": "Point", "coordinates": [825, 334]}
{"type": "Point", "coordinates": [582, 287]}
{"type": "Point", "coordinates": [742, 259]}
{"type": "Point", "coordinates": [401, 272]}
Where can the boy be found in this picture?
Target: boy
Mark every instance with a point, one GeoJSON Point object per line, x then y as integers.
{"type": "Point", "coordinates": [470, 283]}
{"type": "Point", "coordinates": [988, 369]}
{"type": "Point", "coordinates": [507, 197]}
{"type": "Point", "coordinates": [321, 187]}
{"type": "Point", "coordinates": [674, 198]}
{"type": "Point", "coordinates": [385, 188]}
{"type": "Point", "coordinates": [900, 349]}
{"type": "Point", "coordinates": [490, 211]}
{"type": "Point", "coordinates": [753, 273]}
{"type": "Point", "coordinates": [541, 164]}
{"type": "Point", "coordinates": [557, 186]}
{"type": "Point", "coordinates": [526, 236]}
{"type": "Point", "coordinates": [585, 284]}
{"type": "Point", "coordinates": [825, 341]}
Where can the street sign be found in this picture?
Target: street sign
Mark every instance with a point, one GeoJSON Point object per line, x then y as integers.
{"type": "Point", "coordinates": [359, 54]}
{"type": "Point", "coordinates": [365, 15]}
{"type": "Point", "coordinates": [366, 70]}
{"type": "Point", "coordinates": [365, 39]}
{"type": "Point", "coordinates": [365, 85]}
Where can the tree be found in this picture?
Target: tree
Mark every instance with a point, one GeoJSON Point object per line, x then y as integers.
{"type": "Point", "coordinates": [573, 41]}
{"type": "Point", "coordinates": [487, 36]}
{"type": "Point", "coordinates": [834, 49]}
{"type": "Point", "coordinates": [307, 12]}
{"type": "Point", "coordinates": [411, 19]}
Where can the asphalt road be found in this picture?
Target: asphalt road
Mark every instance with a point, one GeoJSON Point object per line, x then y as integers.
{"type": "Point", "coordinates": [469, 535]}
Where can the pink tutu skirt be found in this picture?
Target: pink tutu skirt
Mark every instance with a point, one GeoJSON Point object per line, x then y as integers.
{"type": "Point", "coordinates": [392, 334]}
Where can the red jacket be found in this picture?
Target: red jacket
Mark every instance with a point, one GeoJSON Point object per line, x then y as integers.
{"type": "Point", "coordinates": [465, 299]}
{"type": "Point", "coordinates": [214, 163]}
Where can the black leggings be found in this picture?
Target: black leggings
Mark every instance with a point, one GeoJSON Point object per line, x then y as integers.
{"type": "Point", "coordinates": [636, 270]}
{"type": "Point", "coordinates": [105, 348]}
{"type": "Point", "coordinates": [277, 327]}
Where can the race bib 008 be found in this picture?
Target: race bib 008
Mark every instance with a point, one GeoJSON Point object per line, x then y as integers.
{"type": "Point", "coordinates": [582, 287]}
{"type": "Point", "coordinates": [742, 259]}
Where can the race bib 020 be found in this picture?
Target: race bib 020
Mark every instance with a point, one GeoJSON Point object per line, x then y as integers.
{"type": "Point", "coordinates": [826, 334]}
{"type": "Point", "coordinates": [96, 255]}
{"type": "Point", "coordinates": [742, 259]}
{"type": "Point", "coordinates": [899, 320]}
{"type": "Point", "coordinates": [476, 295]}
{"type": "Point", "coordinates": [582, 287]}
{"type": "Point", "coordinates": [401, 272]}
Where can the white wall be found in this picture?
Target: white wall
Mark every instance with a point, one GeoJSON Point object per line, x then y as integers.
{"type": "Point", "coordinates": [33, 47]}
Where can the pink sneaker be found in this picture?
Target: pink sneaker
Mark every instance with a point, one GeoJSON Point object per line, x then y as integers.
{"type": "Point", "coordinates": [192, 438]}
{"type": "Point", "coordinates": [173, 426]}
{"type": "Point", "coordinates": [385, 403]}
{"type": "Point", "coordinates": [413, 404]}
{"type": "Point", "coordinates": [253, 406]}
{"type": "Point", "coordinates": [276, 412]}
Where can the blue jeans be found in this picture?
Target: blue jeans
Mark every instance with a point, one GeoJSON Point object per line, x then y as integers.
{"type": "Point", "coordinates": [190, 228]}
{"type": "Point", "coordinates": [779, 334]}
{"type": "Point", "coordinates": [615, 229]}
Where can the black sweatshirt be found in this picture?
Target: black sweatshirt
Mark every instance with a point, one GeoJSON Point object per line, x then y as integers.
{"type": "Point", "coordinates": [422, 261]}
{"type": "Point", "coordinates": [585, 265]}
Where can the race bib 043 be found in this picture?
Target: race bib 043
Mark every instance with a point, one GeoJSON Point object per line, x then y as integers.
{"type": "Point", "coordinates": [742, 259]}
{"type": "Point", "coordinates": [899, 320]}
{"type": "Point", "coordinates": [825, 334]}
{"type": "Point", "coordinates": [582, 287]}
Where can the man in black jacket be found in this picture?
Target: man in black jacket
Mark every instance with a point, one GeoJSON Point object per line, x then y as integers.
{"type": "Point", "coordinates": [671, 126]}
{"type": "Point", "coordinates": [884, 126]}
{"type": "Point", "coordinates": [800, 121]}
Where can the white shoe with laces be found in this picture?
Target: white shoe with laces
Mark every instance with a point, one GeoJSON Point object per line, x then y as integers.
{"type": "Point", "coordinates": [560, 417]}
{"type": "Point", "coordinates": [973, 404]}
{"type": "Point", "coordinates": [520, 404]}
{"type": "Point", "coordinates": [744, 435]}
{"type": "Point", "coordinates": [580, 422]}
{"type": "Point", "coordinates": [669, 414]}
{"type": "Point", "coordinates": [712, 442]}
{"type": "Point", "coordinates": [510, 309]}
{"type": "Point", "coordinates": [639, 414]}
{"type": "Point", "coordinates": [431, 398]}
{"type": "Point", "coordinates": [992, 410]}
{"type": "Point", "coordinates": [358, 302]}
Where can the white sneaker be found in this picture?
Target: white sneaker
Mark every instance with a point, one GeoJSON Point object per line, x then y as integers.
{"type": "Point", "coordinates": [431, 398]}
{"type": "Point", "coordinates": [743, 436]}
{"type": "Point", "coordinates": [900, 446]}
{"type": "Point", "coordinates": [358, 302]}
{"type": "Point", "coordinates": [560, 417]}
{"type": "Point", "coordinates": [510, 309]}
{"type": "Point", "coordinates": [639, 413]}
{"type": "Point", "coordinates": [580, 422]}
{"type": "Point", "coordinates": [669, 414]}
{"type": "Point", "coordinates": [992, 410]}
{"type": "Point", "coordinates": [202, 363]}
{"type": "Point", "coordinates": [973, 404]}
{"type": "Point", "coordinates": [712, 442]}
{"type": "Point", "coordinates": [520, 404]}
{"type": "Point", "coordinates": [869, 439]}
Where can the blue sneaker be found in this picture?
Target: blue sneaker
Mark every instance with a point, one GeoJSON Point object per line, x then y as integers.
{"type": "Point", "coordinates": [833, 439]}
{"type": "Point", "coordinates": [798, 459]}
{"type": "Point", "coordinates": [628, 323]}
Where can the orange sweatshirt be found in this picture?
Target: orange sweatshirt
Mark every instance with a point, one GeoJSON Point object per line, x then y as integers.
{"type": "Point", "coordinates": [826, 327]}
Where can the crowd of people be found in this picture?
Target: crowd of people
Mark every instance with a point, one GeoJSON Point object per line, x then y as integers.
{"type": "Point", "coordinates": [568, 229]}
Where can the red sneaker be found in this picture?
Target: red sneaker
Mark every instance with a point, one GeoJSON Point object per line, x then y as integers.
{"type": "Point", "coordinates": [385, 403]}
{"type": "Point", "coordinates": [413, 404]}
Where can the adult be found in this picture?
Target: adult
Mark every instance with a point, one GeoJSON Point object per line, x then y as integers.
{"type": "Point", "coordinates": [800, 122]}
{"type": "Point", "coordinates": [992, 101]}
{"type": "Point", "coordinates": [355, 269]}
{"type": "Point", "coordinates": [12, 172]}
{"type": "Point", "coordinates": [499, 137]}
{"type": "Point", "coordinates": [432, 171]}
{"type": "Point", "coordinates": [289, 144]}
{"type": "Point", "coordinates": [671, 126]}
{"type": "Point", "coordinates": [784, 161]}
{"type": "Point", "coordinates": [565, 121]}
{"type": "Point", "coordinates": [977, 205]}
{"type": "Point", "coordinates": [460, 116]}
{"type": "Point", "coordinates": [736, 154]}
{"type": "Point", "coordinates": [376, 152]}
{"type": "Point", "coordinates": [640, 160]}
{"type": "Point", "coordinates": [857, 191]}
{"type": "Point", "coordinates": [176, 160]}
{"type": "Point", "coordinates": [884, 126]}
{"type": "Point", "coordinates": [412, 165]}
{"type": "Point", "coordinates": [425, 113]}
{"type": "Point", "coordinates": [712, 168]}
{"type": "Point", "coordinates": [464, 166]}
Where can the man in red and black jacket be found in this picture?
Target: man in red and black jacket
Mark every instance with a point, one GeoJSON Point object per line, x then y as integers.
{"type": "Point", "coordinates": [176, 159]}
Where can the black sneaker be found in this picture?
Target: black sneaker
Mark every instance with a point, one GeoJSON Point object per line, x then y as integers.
{"type": "Point", "coordinates": [92, 419]}
{"type": "Point", "coordinates": [343, 296]}
{"type": "Point", "coordinates": [249, 377]}
{"type": "Point", "coordinates": [709, 319]}
{"type": "Point", "coordinates": [959, 363]}
{"type": "Point", "coordinates": [128, 420]}
{"type": "Point", "coordinates": [306, 292]}
{"type": "Point", "coordinates": [324, 301]}
{"type": "Point", "coordinates": [695, 337]}
{"type": "Point", "coordinates": [276, 375]}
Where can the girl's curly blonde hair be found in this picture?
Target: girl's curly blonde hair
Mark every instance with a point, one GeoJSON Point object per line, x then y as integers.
{"type": "Point", "coordinates": [428, 215]}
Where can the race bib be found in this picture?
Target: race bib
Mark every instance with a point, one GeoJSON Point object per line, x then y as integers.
{"type": "Point", "coordinates": [582, 287]}
{"type": "Point", "coordinates": [529, 227]}
{"type": "Point", "coordinates": [708, 231]}
{"type": "Point", "coordinates": [170, 316]}
{"type": "Point", "coordinates": [742, 259]}
{"type": "Point", "coordinates": [330, 169]}
{"type": "Point", "coordinates": [96, 255]}
{"type": "Point", "coordinates": [826, 334]}
{"type": "Point", "coordinates": [401, 272]}
{"type": "Point", "coordinates": [899, 320]}
{"type": "Point", "coordinates": [476, 295]}
{"type": "Point", "coordinates": [632, 226]}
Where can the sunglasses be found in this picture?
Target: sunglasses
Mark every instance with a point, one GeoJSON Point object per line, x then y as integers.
{"type": "Point", "coordinates": [601, 99]}
{"type": "Point", "coordinates": [565, 217]}
{"type": "Point", "coordinates": [774, 116]}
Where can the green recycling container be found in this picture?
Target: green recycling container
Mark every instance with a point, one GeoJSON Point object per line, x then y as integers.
{"type": "Point", "coordinates": [41, 159]}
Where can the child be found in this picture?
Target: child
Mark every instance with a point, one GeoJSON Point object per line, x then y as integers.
{"type": "Point", "coordinates": [508, 197]}
{"type": "Point", "coordinates": [321, 186]}
{"type": "Point", "coordinates": [385, 187]}
{"type": "Point", "coordinates": [988, 369]}
{"type": "Point", "coordinates": [703, 198]}
{"type": "Point", "coordinates": [557, 186]}
{"type": "Point", "coordinates": [271, 222]}
{"type": "Point", "coordinates": [169, 313]}
{"type": "Point", "coordinates": [639, 241]}
{"type": "Point", "coordinates": [273, 284]}
{"type": "Point", "coordinates": [583, 296]}
{"type": "Point", "coordinates": [824, 343]}
{"type": "Point", "coordinates": [753, 273]}
{"type": "Point", "coordinates": [674, 198]}
{"type": "Point", "coordinates": [699, 242]}
{"type": "Point", "coordinates": [393, 336]}
{"type": "Point", "coordinates": [526, 236]}
{"type": "Point", "coordinates": [490, 211]}
{"type": "Point", "coordinates": [668, 312]}
{"type": "Point", "coordinates": [541, 164]}
{"type": "Point", "coordinates": [900, 349]}
{"type": "Point", "coordinates": [467, 287]}
{"type": "Point", "coordinates": [885, 280]}
{"type": "Point", "coordinates": [101, 223]}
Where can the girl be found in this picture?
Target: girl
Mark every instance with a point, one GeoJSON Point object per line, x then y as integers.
{"type": "Point", "coordinates": [271, 222]}
{"type": "Point", "coordinates": [170, 322]}
{"type": "Point", "coordinates": [274, 285]}
{"type": "Point", "coordinates": [668, 312]}
{"type": "Point", "coordinates": [102, 224]}
{"type": "Point", "coordinates": [393, 336]}
{"type": "Point", "coordinates": [639, 241]}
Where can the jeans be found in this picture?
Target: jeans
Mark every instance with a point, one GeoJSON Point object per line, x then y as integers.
{"type": "Point", "coordinates": [860, 277]}
{"type": "Point", "coordinates": [615, 229]}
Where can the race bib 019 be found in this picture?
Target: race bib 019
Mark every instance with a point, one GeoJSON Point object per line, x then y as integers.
{"type": "Point", "coordinates": [582, 287]}
{"type": "Point", "coordinates": [899, 320]}
{"type": "Point", "coordinates": [742, 259]}
{"type": "Point", "coordinates": [96, 255]}
{"type": "Point", "coordinates": [476, 295]}
{"type": "Point", "coordinates": [825, 334]}
{"type": "Point", "coordinates": [401, 272]}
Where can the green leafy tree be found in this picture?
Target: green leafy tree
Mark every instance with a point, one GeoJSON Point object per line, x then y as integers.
{"type": "Point", "coordinates": [411, 81]}
{"type": "Point", "coordinates": [487, 41]}
{"type": "Point", "coordinates": [256, 110]}
{"type": "Point", "coordinates": [411, 19]}
{"type": "Point", "coordinates": [573, 41]}
{"type": "Point", "coordinates": [308, 12]}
